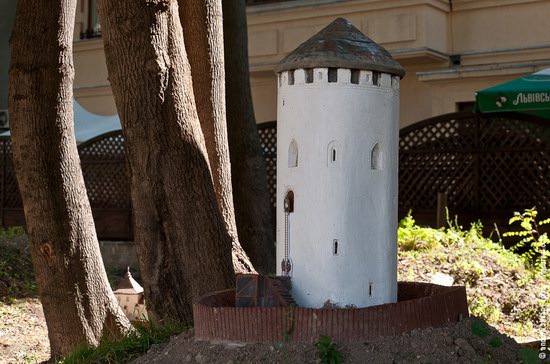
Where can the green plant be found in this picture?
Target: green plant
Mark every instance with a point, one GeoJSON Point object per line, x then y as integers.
{"type": "Point", "coordinates": [529, 356]}
{"type": "Point", "coordinates": [12, 231]}
{"type": "Point", "coordinates": [480, 328]}
{"type": "Point", "coordinates": [23, 357]}
{"type": "Point", "coordinates": [128, 348]}
{"type": "Point", "coordinates": [412, 237]}
{"type": "Point", "coordinates": [485, 309]}
{"type": "Point", "coordinates": [327, 351]}
{"type": "Point", "coordinates": [495, 342]}
{"type": "Point", "coordinates": [290, 321]}
{"type": "Point", "coordinates": [532, 243]}
{"type": "Point", "coordinates": [471, 271]}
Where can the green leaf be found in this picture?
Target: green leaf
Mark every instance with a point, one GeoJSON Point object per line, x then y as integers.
{"type": "Point", "coordinates": [496, 342]}
{"type": "Point", "coordinates": [526, 224]}
{"type": "Point", "coordinates": [514, 219]}
{"type": "Point", "coordinates": [529, 356]}
{"type": "Point", "coordinates": [479, 328]}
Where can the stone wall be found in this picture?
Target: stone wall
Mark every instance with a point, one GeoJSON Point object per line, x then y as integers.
{"type": "Point", "coordinates": [119, 255]}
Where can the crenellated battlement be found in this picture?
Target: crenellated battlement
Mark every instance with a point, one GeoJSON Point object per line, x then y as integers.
{"type": "Point", "coordinates": [341, 76]}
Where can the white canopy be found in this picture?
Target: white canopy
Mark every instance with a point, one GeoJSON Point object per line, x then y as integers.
{"type": "Point", "coordinates": [88, 125]}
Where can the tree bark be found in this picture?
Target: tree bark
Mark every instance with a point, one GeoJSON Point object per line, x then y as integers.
{"type": "Point", "coordinates": [250, 194]}
{"type": "Point", "coordinates": [78, 303]}
{"type": "Point", "coordinates": [203, 33]}
{"type": "Point", "coordinates": [182, 244]}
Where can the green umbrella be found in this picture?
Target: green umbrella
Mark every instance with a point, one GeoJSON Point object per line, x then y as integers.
{"type": "Point", "coordinates": [529, 94]}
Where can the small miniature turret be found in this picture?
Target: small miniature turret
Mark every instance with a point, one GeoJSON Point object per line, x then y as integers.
{"type": "Point", "coordinates": [131, 298]}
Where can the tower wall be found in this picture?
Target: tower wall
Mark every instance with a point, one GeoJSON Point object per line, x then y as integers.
{"type": "Point", "coordinates": [337, 152]}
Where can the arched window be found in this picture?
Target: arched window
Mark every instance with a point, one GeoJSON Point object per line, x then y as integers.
{"type": "Point", "coordinates": [376, 157]}
{"type": "Point", "coordinates": [293, 154]}
{"type": "Point", "coordinates": [288, 203]}
{"type": "Point", "coordinates": [334, 153]}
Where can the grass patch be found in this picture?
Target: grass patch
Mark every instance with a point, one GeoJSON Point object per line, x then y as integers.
{"type": "Point", "coordinates": [127, 349]}
{"type": "Point", "coordinates": [503, 288]}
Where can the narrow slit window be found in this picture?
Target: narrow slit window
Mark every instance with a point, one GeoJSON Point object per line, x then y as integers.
{"type": "Point", "coordinates": [355, 76]}
{"type": "Point", "coordinates": [376, 78]}
{"type": "Point", "coordinates": [333, 153]}
{"type": "Point", "coordinates": [332, 75]}
{"type": "Point", "coordinates": [376, 157]}
{"type": "Point", "coordinates": [291, 77]}
{"type": "Point", "coordinates": [370, 289]}
{"type": "Point", "coordinates": [293, 154]}
{"type": "Point", "coordinates": [309, 75]}
{"type": "Point", "coordinates": [335, 247]}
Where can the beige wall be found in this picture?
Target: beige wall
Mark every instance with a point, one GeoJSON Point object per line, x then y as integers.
{"type": "Point", "coordinates": [409, 28]}
{"type": "Point", "coordinates": [92, 88]}
{"type": "Point", "coordinates": [497, 40]}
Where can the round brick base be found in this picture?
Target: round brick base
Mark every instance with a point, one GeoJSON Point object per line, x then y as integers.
{"type": "Point", "coordinates": [419, 305]}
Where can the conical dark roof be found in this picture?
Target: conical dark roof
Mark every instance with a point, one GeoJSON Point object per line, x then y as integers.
{"type": "Point", "coordinates": [341, 45]}
{"type": "Point", "coordinates": [128, 284]}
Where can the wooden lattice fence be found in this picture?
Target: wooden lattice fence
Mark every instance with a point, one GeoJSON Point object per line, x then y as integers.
{"type": "Point", "coordinates": [105, 175]}
{"type": "Point", "coordinates": [489, 166]}
{"type": "Point", "coordinates": [268, 140]}
{"type": "Point", "coordinates": [104, 170]}
{"type": "Point", "coordinates": [11, 213]}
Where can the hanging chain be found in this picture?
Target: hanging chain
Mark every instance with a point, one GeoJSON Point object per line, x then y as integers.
{"type": "Point", "coordinates": [285, 264]}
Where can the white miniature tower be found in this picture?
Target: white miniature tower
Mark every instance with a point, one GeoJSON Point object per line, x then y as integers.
{"type": "Point", "coordinates": [337, 145]}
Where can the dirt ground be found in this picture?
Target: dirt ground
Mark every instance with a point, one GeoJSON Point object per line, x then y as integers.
{"type": "Point", "coordinates": [23, 332]}
{"type": "Point", "coordinates": [457, 343]}
{"type": "Point", "coordinates": [24, 338]}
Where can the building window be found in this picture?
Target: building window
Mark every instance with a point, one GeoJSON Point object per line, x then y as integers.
{"type": "Point", "coordinates": [465, 106]}
{"type": "Point", "coordinates": [355, 74]}
{"type": "Point", "coordinates": [293, 154]}
{"type": "Point", "coordinates": [376, 157]}
{"type": "Point", "coordinates": [333, 153]}
{"type": "Point", "coordinates": [93, 28]}
{"type": "Point", "coordinates": [309, 75]}
{"type": "Point", "coordinates": [376, 76]}
{"type": "Point", "coordinates": [333, 75]}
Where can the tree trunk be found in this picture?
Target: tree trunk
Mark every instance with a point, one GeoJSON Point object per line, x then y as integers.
{"type": "Point", "coordinates": [203, 32]}
{"type": "Point", "coordinates": [78, 303]}
{"type": "Point", "coordinates": [250, 194]}
{"type": "Point", "coordinates": [182, 244]}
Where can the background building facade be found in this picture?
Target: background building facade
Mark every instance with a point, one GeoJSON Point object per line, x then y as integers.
{"type": "Point", "coordinates": [449, 48]}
